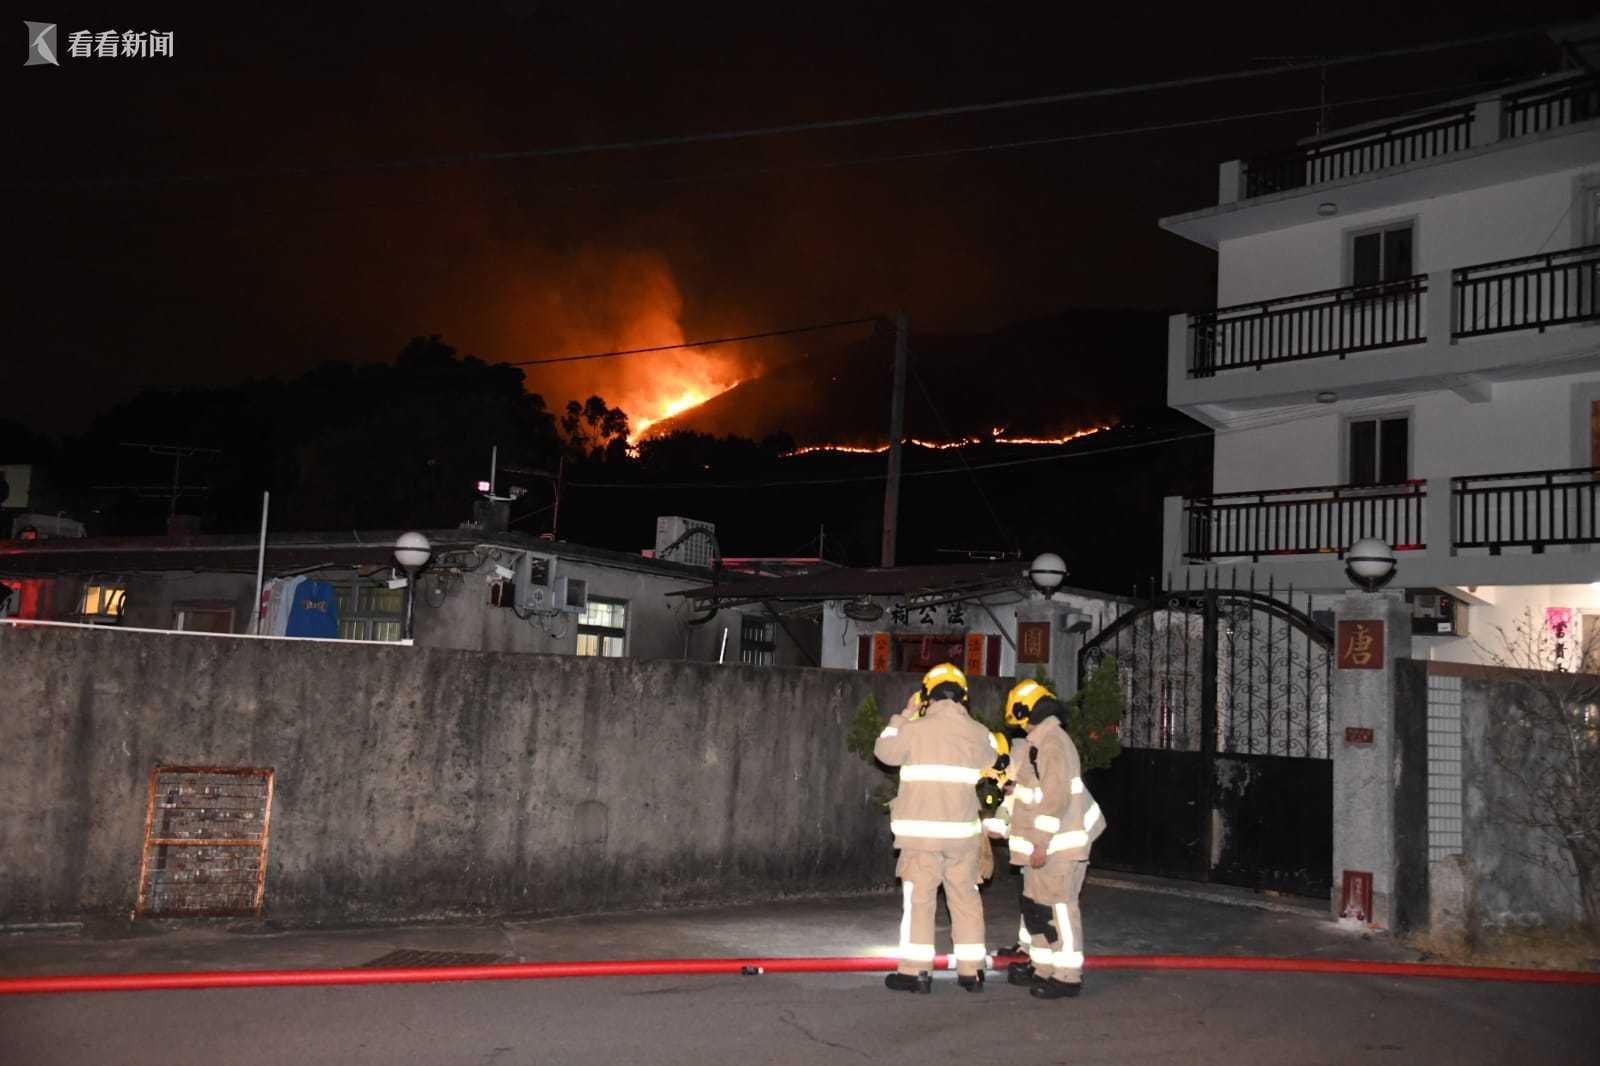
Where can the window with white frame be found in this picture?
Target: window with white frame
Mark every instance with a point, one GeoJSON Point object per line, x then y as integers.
{"type": "Point", "coordinates": [1380, 450]}
{"type": "Point", "coordinates": [758, 641]}
{"type": "Point", "coordinates": [1381, 256]}
{"type": "Point", "coordinates": [603, 628]}
{"type": "Point", "coordinates": [371, 612]}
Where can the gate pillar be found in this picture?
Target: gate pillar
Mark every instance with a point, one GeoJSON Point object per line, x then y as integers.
{"type": "Point", "coordinates": [1372, 632]}
{"type": "Point", "coordinates": [1049, 635]}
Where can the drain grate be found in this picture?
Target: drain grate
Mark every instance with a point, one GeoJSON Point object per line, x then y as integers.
{"type": "Point", "coordinates": [205, 842]}
{"type": "Point", "coordinates": [407, 957]}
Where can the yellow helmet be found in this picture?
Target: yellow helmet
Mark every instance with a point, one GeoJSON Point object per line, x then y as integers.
{"type": "Point", "coordinates": [944, 681]}
{"type": "Point", "coordinates": [1020, 702]}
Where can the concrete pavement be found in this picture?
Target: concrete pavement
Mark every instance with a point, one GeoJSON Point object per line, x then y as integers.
{"type": "Point", "coordinates": [1123, 914]}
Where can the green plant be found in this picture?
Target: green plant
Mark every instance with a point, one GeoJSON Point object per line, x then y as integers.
{"type": "Point", "coordinates": [863, 735]}
{"type": "Point", "coordinates": [1094, 715]}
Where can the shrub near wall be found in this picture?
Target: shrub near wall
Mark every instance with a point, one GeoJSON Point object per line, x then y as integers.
{"type": "Point", "coordinates": [414, 781]}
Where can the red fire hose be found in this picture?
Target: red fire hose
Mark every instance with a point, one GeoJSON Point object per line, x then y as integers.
{"type": "Point", "coordinates": [141, 982]}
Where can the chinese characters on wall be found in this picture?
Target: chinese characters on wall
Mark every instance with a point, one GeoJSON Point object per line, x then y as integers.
{"type": "Point", "coordinates": [1360, 645]}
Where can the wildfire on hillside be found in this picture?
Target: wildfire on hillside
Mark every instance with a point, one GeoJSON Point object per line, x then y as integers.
{"type": "Point", "coordinates": [598, 301]}
{"type": "Point", "coordinates": [996, 436]}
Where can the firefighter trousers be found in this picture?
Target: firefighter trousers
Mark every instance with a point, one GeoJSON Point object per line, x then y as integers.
{"type": "Point", "coordinates": [1052, 925]}
{"type": "Point", "coordinates": [921, 873]}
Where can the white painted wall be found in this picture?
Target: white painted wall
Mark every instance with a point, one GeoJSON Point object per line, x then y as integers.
{"type": "Point", "coordinates": [1527, 425]}
{"type": "Point", "coordinates": [1479, 226]}
{"type": "Point", "coordinates": [1492, 622]}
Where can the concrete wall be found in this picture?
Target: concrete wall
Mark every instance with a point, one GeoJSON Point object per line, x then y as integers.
{"type": "Point", "coordinates": [417, 781]}
{"type": "Point", "coordinates": [658, 624]}
{"type": "Point", "coordinates": [841, 635]}
{"type": "Point", "coordinates": [1517, 877]}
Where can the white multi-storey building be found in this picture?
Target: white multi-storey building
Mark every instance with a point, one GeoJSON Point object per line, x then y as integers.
{"type": "Point", "coordinates": [1406, 345]}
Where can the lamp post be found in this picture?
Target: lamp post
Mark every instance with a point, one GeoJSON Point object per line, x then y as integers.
{"type": "Point", "coordinates": [1047, 572]}
{"type": "Point", "coordinates": [1370, 563]}
{"type": "Point", "coordinates": [411, 551]}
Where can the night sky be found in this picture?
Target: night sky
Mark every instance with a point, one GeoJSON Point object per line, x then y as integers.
{"type": "Point", "coordinates": [252, 207]}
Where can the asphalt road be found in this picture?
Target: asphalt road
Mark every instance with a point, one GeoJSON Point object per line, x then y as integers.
{"type": "Point", "coordinates": [1191, 1018]}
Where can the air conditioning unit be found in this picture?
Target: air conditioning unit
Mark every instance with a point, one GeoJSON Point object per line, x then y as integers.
{"type": "Point", "coordinates": [674, 542]}
{"type": "Point", "coordinates": [535, 574]}
{"type": "Point", "coordinates": [1435, 613]}
{"type": "Point", "coordinates": [571, 595]}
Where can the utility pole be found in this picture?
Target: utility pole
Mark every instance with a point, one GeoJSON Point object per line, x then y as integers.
{"type": "Point", "coordinates": [897, 426]}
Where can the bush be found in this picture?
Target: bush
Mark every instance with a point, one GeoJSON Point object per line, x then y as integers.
{"type": "Point", "coordinates": [1094, 715]}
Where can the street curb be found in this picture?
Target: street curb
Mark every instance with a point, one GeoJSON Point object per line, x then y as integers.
{"type": "Point", "coordinates": [1227, 899]}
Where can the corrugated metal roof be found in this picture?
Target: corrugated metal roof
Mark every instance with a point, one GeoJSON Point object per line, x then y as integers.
{"type": "Point", "coordinates": [847, 584]}
{"type": "Point", "coordinates": [286, 553]}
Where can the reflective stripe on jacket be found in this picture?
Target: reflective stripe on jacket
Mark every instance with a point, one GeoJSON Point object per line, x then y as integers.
{"type": "Point", "coordinates": [1054, 811]}
{"type": "Point", "coordinates": [941, 756]}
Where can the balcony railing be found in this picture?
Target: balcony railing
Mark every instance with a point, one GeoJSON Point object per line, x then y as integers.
{"type": "Point", "coordinates": [1322, 520]}
{"type": "Point", "coordinates": [1405, 141]}
{"type": "Point", "coordinates": [1550, 106]}
{"type": "Point", "coordinates": [1533, 292]}
{"type": "Point", "coordinates": [1310, 326]}
{"type": "Point", "coordinates": [1529, 510]}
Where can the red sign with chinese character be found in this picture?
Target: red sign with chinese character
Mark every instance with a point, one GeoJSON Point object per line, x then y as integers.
{"type": "Point", "coordinates": [976, 646]}
{"type": "Point", "coordinates": [1355, 734]}
{"type": "Point", "coordinates": [1033, 642]}
{"type": "Point", "coordinates": [880, 652]}
{"type": "Point", "coordinates": [1361, 645]}
{"type": "Point", "coordinates": [1355, 896]}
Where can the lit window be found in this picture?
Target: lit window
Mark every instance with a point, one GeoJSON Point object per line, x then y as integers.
{"type": "Point", "coordinates": [371, 612]}
{"type": "Point", "coordinates": [603, 628]}
{"type": "Point", "coordinates": [103, 601]}
{"type": "Point", "coordinates": [757, 641]}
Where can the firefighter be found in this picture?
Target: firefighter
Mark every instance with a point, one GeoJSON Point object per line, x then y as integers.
{"type": "Point", "coordinates": [941, 753]}
{"type": "Point", "coordinates": [1054, 822]}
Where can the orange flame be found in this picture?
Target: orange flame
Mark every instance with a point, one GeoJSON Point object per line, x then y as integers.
{"type": "Point", "coordinates": [667, 406]}
{"type": "Point", "coordinates": [996, 436]}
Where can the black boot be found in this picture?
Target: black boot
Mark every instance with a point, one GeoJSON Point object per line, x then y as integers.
{"type": "Point", "coordinates": [973, 983]}
{"type": "Point", "coordinates": [1053, 989]}
{"type": "Point", "coordinates": [906, 982]}
{"type": "Point", "coordinates": [1021, 973]}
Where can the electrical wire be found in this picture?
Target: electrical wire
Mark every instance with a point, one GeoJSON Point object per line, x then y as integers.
{"type": "Point", "coordinates": [785, 332]}
{"type": "Point", "coordinates": [858, 478]}
{"type": "Point", "coordinates": [944, 427]}
{"type": "Point", "coordinates": [883, 118]}
{"type": "Point", "coordinates": [1036, 142]}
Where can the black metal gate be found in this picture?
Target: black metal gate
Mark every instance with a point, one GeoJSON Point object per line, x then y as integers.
{"type": "Point", "coordinates": [1225, 772]}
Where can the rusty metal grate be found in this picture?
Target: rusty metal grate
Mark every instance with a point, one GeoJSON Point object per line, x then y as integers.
{"type": "Point", "coordinates": [408, 957]}
{"type": "Point", "coordinates": [205, 842]}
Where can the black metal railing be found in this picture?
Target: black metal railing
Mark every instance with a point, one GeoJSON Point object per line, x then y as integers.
{"type": "Point", "coordinates": [1404, 141]}
{"type": "Point", "coordinates": [1532, 292]}
{"type": "Point", "coordinates": [1334, 322]}
{"type": "Point", "coordinates": [1532, 509]}
{"type": "Point", "coordinates": [1550, 106]}
{"type": "Point", "coordinates": [1310, 521]}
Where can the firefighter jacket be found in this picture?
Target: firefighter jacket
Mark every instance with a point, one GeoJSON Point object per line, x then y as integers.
{"type": "Point", "coordinates": [941, 755]}
{"type": "Point", "coordinates": [1053, 811]}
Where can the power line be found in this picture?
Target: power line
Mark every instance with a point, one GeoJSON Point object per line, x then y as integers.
{"type": "Point", "coordinates": [1036, 142]}
{"type": "Point", "coordinates": [860, 478]}
{"type": "Point", "coordinates": [884, 118]}
{"type": "Point", "coordinates": [1005, 533]}
{"type": "Point", "coordinates": [694, 344]}
{"type": "Point", "coordinates": [300, 211]}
